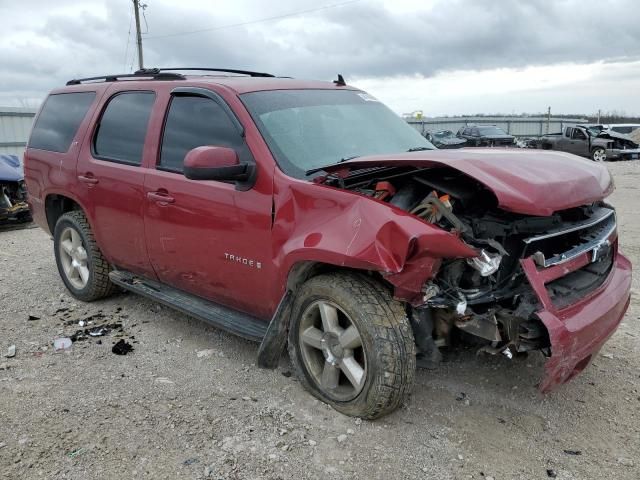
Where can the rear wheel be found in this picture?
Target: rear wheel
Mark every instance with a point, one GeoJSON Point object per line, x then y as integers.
{"type": "Point", "coordinates": [83, 269]}
{"type": "Point", "coordinates": [352, 345]}
{"type": "Point", "coordinates": [598, 154]}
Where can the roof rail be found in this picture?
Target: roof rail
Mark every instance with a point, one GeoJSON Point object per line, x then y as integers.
{"type": "Point", "coordinates": [207, 69]}
{"type": "Point", "coordinates": [149, 73]}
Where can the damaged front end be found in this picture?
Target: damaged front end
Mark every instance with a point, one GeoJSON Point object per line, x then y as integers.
{"type": "Point", "coordinates": [618, 146]}
{"type": "Point", "coordinates": [13, 192]}
{"type": "Point", "coordinates": [530, 285]}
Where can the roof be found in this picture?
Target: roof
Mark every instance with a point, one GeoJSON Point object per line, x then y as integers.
{"type": "Point", "coordinates": [255, 84]}
{"type": "Point", "coordinates": [238, 81]}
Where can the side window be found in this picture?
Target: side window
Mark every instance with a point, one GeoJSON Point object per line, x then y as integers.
{"type": "Point", "coordinates": [59, 120]}
{"type": "Point", "coordinates": [579, 134]}
{"type": "Point", "coordinates": [568, 132]}
{"type": "Point", "coordinates": [193, 122]}
{"type": "Point", "coordinates": [123, 126]}
{"type": "Point", "coordinates": [475, 132]}
{"type": "Point", "coordinates": [625, 130]}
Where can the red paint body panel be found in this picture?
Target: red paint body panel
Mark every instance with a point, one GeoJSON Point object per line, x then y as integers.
{"type": "Point", "coordinates": [577, 332]}
{"type": "Point", "coordinates": [338, 227]}
{"type": "Point", "coordinates": [525, 181]}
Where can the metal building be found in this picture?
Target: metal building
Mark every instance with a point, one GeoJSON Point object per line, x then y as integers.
{"type": "Point", "coordinates": [516, 126]}
{"type": "Point", "coordinates": [15, 125]}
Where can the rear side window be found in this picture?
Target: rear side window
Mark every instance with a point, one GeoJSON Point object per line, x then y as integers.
{"type": "Point", "coordinates": [122, 129]}
{"type": "Point", "coordinates": [193, 122]}
{"type": "Point", "coordinates": [59, 120]}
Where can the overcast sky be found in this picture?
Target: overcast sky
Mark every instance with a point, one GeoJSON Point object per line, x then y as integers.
{"type": "Point", "coordinates": [441, 57]}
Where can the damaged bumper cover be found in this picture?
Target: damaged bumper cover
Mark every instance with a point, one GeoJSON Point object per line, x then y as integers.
{"type": "Point", "coordinates": [578, 331]}
{"type": "Point", "coordinates": [623, 154]}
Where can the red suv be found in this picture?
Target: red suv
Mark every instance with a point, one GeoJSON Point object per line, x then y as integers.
{"type": "Point", "coordinates": [307, 213]}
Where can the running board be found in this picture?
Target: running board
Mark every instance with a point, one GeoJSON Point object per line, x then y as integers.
{"type": "Point", "coordinates": [232, 321]}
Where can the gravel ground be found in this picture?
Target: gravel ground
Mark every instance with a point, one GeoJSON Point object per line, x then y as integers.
{"type": "Point", "coordinates": [189, 402]}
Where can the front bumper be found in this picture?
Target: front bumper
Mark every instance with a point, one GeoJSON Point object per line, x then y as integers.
{"type": "Point", "coordinates": [621, 154]}
{"type": "Point", "coordinates": [579, 331]}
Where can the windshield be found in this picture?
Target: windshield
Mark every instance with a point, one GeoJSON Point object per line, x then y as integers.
{"type": "Point", "coordinates": [491, 131]}
{"type": "Point", "coordinates": [443, 134]}
{"type": "Point", "coordinates": [307, 129]}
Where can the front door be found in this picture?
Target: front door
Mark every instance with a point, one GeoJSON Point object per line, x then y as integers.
{"type": "Point", "coordinates": [206, 237]}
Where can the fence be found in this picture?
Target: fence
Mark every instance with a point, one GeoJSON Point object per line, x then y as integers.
{"type": "Point", "coordinates": [516, 126]}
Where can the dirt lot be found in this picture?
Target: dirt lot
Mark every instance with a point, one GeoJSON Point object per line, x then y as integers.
{"type": "Point", "coordinates": [190, 403]}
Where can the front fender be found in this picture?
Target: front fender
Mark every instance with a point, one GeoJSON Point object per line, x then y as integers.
{"type": "Point", "coordinates": [324, 224]}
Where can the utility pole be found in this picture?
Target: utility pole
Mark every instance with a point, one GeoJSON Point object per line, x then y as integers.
{"type": "Point", "coordinates": [136, 9]}
{"type": "Point", "coordinates": [598, 116]}
{"type": "Point", "coordinates": [548, 118]}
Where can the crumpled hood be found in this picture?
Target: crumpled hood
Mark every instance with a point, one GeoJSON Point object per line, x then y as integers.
{"type": "Point", "coordinates": [611, 135]}
{"type": "Point", "coordinates": [10, 168]}
{"type": "Point", "coordinates": [527, 181]}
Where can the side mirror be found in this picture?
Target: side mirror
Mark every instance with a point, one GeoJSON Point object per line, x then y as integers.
{"type": "Point", "coordinates": [216, 163]}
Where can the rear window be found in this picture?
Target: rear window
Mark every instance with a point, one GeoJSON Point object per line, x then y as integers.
{"type": "Point", "coordinates": [123, 127]}
{"type": "Point", "coordinates": [59, 120]}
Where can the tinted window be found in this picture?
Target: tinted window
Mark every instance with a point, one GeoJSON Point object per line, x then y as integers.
{"type": "Point", "coordinates": [59, 120]}
{"type": "Point", "coordinates": [622, 129]}
{"type": "Point", "coordinates": [193, 122]}
{"type": "Point", "coordinates": [123, 126]}
{"type": "Point", "coordinates": [578, 134]}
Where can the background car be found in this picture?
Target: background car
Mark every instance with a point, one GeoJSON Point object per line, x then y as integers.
{"type": "Point", "coordinates": [445, 139]}
{"type": "Point", "coordinates": [486, 136]}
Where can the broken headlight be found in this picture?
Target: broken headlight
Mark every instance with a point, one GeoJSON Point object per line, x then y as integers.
{"type": "Point", "coordinates": [486, 263]}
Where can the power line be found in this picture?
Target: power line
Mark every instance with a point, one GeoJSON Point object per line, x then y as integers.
{"type": "Point", "coordinates": [251, 22]}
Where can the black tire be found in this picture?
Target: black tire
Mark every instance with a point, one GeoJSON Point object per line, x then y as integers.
{"type": "Point", "coordinates": [599, 154]}
{"type": "Point", "coordinates": [386, 335]}
{"type": "Point", "coordinates": [98, 284]}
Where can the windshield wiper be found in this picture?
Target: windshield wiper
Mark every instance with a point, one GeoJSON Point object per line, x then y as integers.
{"type": "Point", "coordinates": [418, 149]}
{"type": "Point", "coordinates": [318, 169]}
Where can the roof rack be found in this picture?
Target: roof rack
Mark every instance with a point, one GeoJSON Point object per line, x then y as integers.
{"type": "Point", "coordinates": [149, 73]}
{"type": "Point", "coordinates": [206, 69]}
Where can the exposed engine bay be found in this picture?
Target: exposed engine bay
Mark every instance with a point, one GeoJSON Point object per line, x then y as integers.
{"type": "Point", "coordinates": [13, 203]}
{"type": "Point", "coordinates": [487, 300]}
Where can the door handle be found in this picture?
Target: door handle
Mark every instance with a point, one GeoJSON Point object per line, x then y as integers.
{"type": "Point", "coordinates": [160, 197]}
{"type": "Point", "coordinates": [88, 179]}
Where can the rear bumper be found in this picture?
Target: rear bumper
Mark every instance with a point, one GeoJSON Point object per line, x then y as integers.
{"type": "Point", "coordinates": [578, 332]}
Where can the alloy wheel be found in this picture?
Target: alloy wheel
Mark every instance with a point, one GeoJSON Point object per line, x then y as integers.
{"type": "Point", "coordinates": [73, 258]}
{"type": "Point", "coordinates": [332, 350]}
{"type": "Point", "coordinates": [599, 155]}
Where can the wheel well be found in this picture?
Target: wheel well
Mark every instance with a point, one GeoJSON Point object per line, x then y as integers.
{"type": "Point", "coordinates": [55, 206]}
{"type": "Point", "coordinates": [303, 271]}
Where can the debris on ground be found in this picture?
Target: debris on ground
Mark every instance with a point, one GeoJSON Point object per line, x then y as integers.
{"type": "Point", "coordinates": [95, 331]}
{"type": "Point", "coordinates": [61, 343]}
{"type": "Point", "coordinates": [4, 366]}
{"type": "Point", "coordinates": [31, 318]}
{"type": "Point", "coordinates": [121, 347]}
{"type": "Point", "coordinates": [573, 452]}
{"type": "Point", "coordinates": [205, 353]}
{"type": "Point", "coordinates": [551, 473]}
{"type": "Point", "coordinates": [11, 351]}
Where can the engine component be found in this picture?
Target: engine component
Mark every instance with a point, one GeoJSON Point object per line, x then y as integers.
{"type": "Point", "coordinates": [486, 263]}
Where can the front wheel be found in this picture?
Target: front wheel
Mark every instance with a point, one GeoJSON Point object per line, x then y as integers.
{"type": "Point", "coordinates": [598, 154]}
{"type": "Point", "coordinates": [352, 345]}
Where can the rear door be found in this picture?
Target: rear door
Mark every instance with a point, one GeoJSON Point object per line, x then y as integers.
{"type": "Point", "coordinates": [206, 237]}
{"type": "Point", "coordinates": [111, 176]}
